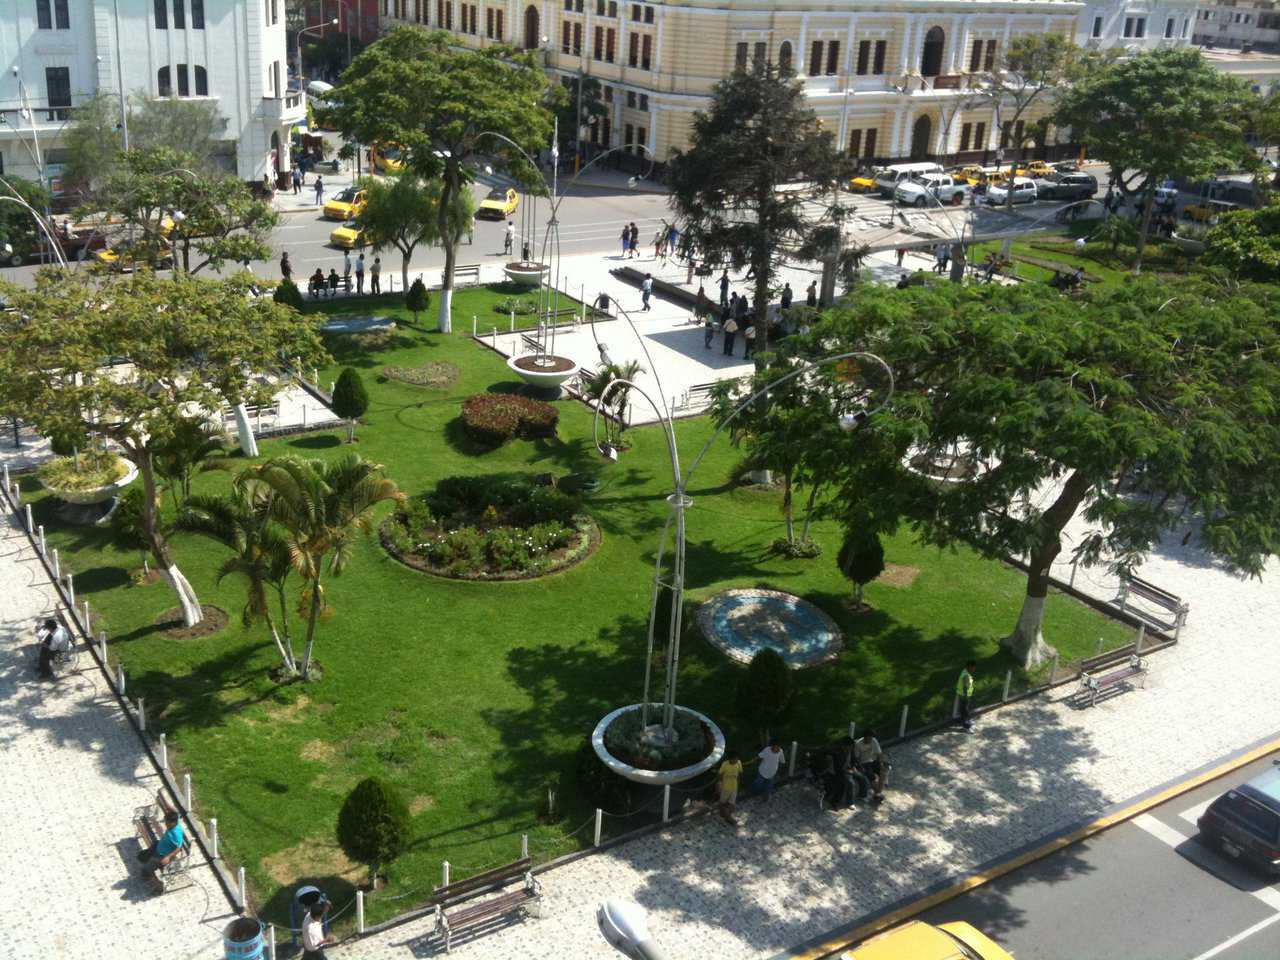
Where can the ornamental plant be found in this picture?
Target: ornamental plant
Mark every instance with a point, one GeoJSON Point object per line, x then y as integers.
{"type": "Point", "coordinates": [495, 418]}
{"type": "Point", "coordinates": [350, 399]}
{"type": "Point", "coordinates": [373, 824]}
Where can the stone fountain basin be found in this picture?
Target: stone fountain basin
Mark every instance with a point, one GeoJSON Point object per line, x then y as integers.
{"type": "Point", "coordinates": [656, 778]}
{"type": "Point", "coordinates": [549, 377]}
{"type": "Point", "coordinates": [526, 273]}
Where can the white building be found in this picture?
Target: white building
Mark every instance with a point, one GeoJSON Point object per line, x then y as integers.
{"type": "Point", "coordinates": [1136, 25]}
{"type": "Point", "coordinates": [57, 53]}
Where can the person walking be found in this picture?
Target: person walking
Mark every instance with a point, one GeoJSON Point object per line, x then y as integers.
{"type": "Point", "coordinates": [945, 257]}
{"type": "Point", "coordinates": [727, 786]}
{"type": "Point", "coordinates": [659, 239]}
{"type": "Point", "coordinates": [708, 329]}
{"type": "Point", "coordinates": [297, 181]}
{"type": "Point", "coordinates": [811, 294]}
{"type": "Point", "coordinates": [360, 274]}
{"type": "Point", "coordinates": [901, 253]}
{"type": "Point", "coordinates": [346, 270]}
{"type": "Point", "coordinates": [938, 253]}
{"type": "Point", "coordinates": [770, 759]}
{"type": "Point", "coordinates": [964, 694]}
{"type": "Point", "coordinates": [635, 240]}
{"type": "Point", "coordinates": [787, 296]}
{"type": "Point", "coordinates": [626, 240]}
{"type": "Point", "coordinates": [724, 288]}
{"type": "Point", "coordinates": [509, 243]}
{"type": "Point", "coordinates": [314, 939]}
{"type": "Point", "coordinates": [748, 341]}
{"type": "Point", "coordinates": [319, 190]}
{"type": "Point", "coordinates": [286, 268]}
{"type": "Point", "coordinates": [730, 331]}
{"type": "Point", "coordinates": [646, 290]}
{"type": "Point", "coordinates": [375, 276]}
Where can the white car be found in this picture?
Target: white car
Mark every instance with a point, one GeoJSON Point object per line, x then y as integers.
{"type": "Point", "coordinates": [1024, 191]}
{"type": "Point", "coordinates": [941, 187]}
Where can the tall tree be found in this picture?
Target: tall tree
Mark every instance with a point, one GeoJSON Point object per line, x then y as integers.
{"type": "Point", "coordinates": [1142, 406]}
{"type": "Point", "coordinates": [1164, 113]}
{"type": "Point", "coordinates": [93, 144]}
{"type": "Point", "coordinates": [322, 505]}
{"type": "Point", "coordinates": [16, 226]}
{"type": "Point", "coordinates": [191, 344]}
{"type": "Point", "coordinates": [403, 210]}
{"type": "Point", "coordinates": [194, 126]}
{"type": "Point", "coordinates": [437, 101]}
{"type": "Point", "coordinates": [758, 135]}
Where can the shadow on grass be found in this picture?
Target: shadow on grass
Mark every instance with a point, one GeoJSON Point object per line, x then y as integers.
{"type": "Point", "coordinates": [319, 441]}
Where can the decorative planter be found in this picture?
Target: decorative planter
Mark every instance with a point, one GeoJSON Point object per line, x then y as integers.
{"type": "Point", "coordinates": [656, 778]}
{"type": "Point", "coordinates": [97, 495]}
{"type": "Point", "coordinates": [526, 273]}
{"type": "Point", "coordinates": [1189, 246]}
{"type": "Point", "coordinates": [945, 467]}
{"type": "Point", "coordinates": [546, 373]}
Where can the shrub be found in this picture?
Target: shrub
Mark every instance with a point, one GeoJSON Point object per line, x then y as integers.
{"type": "Point", "coordinates": [495, 418]}
{"type": "Point", "coordinates": [288, 294]}
{"type": "Point", "coordinates": [417, 300]}
{"type": "Point", "coordinates": [520, 306]}
{"type": "Point", "coordinates": [373, 824]}
{"type": "Point", "coordinates": [764, 692]}
{"type": "Point", "coordinates": [861, 559]}
{"type": "Point", "coordinates": [350, 399]}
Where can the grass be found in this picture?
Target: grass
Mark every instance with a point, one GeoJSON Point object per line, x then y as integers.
{"type": "Point", "coordinates": [473, 697]}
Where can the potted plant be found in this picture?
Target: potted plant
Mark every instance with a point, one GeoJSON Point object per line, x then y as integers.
{"type": "Point", "coordinates": [85, 476]}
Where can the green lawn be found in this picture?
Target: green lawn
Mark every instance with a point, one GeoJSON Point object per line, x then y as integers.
{"type": "Point", "coordinates": [473, 697]}
{"type": "Point", "coordinates": [481, 302]}
{"type": "Point", "coordinates": [1097, 258]}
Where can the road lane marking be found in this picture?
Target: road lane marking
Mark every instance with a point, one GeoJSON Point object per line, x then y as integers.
{"type": "Point", "coordinates": [1243, 934]}
{"type": "Point", "coordinates": [1175, 838]}
{"type": "Point", "coordinates": [1192, 814]}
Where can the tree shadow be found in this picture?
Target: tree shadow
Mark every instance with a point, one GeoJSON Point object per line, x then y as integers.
{"type": "Point", "coordinates": [96, 579]}
{"type": "Point", "coordinates": [318, 441]}
{"type": "Point", "coordinates": [456, 436]}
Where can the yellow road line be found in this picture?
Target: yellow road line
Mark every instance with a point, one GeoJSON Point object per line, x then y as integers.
{"type": "Point", "coordinates": [972, 881]}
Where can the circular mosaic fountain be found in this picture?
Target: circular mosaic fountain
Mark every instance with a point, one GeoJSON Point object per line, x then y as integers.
{"type": "Point", "coordinates": [742, 622]}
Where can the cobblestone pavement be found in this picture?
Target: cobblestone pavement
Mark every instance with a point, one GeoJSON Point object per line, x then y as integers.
{"type": "Point", "coordinates": [791, 872]}
{"type": "Point", "coordinates": [73, 773]}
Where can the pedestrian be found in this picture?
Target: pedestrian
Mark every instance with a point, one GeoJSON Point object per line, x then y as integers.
{"type": "Point", "coordinates": [708, 330]}
{"type": "Point", "coordinates": [724, 288]}
{"type": "Point", "coordinates": [313, 936]}
{"type": "Point", "coordinates": [673, 241]}
{"type": "Point", "coordinates": [346, 270]}
{"type": "Point", "coordinates": [945, 257]}
{"type": "Point", "coordinates": [770, 759]}
{"type": "Point", "coordinates": [319, 190]}
{"type": "Point", "coordinates": [333, 282]}
{"type": "Point", "coordinates": [787, 296]}
{"type": "Point", "coordinates": [964, 694]}
{"type": "Point", "coordinates": [646, 290]}
{"type": "Point", "coordinates": [937, 257]}
{"type": "Point", "coordinates": [901, 254]}
{"type": "Point", "coordinates": [740, 311]}
{"type": "Point", "coordinates": [868, 759]}
{"type": "Point", "coordinates": [702, 305]}
{"type": "Point", "coordinates": [375, 275]}
{"type": "Point", "coordinates": [602, 303]}
{"type": "Point", "coordinates": [811, 295]}
{"type": "Point", "coordinates": [626, 240]}
{"type": "Point", "coordinates": [730, 330]}
{"type": "Point", "coordinates": [360, 274]}
{"type": "Point", "coordinates": [304, 898]}
{"type": "Point", "coordinates": [635, 240]}
{"type": "Point", "coordinates": [53, 639]}
{"type": "Point", "coordinates": [297, 181]}
{"type": "Point", "coordinates": [903, 282]}
{"type": "Point", "coordinates": [286, 268]}
{"type": "Point", "coordinates": [509, 243]}
{"type": "Point", "coordinates": [748, 341]}
{"type": "Point", "coordinates": [727, 786]}
{"type": "Point", "coordinates": [659, 239]}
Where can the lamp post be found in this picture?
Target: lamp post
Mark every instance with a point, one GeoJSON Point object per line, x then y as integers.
{"type": "Point", "coordinates": [318, 26]}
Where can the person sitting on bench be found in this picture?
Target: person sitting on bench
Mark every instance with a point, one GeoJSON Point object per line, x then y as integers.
{"type": "Point", "coordinates": [868, 760]}
{"type": "Point", "coordinates": [156, 857]}
{"type": "Point", "coordinates": [54, 639]}
{"type": "Point", "coordinates": [316, 284]}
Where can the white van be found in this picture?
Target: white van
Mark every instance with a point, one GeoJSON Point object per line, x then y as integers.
{"type": "Point", "coordinates": [888, 178]}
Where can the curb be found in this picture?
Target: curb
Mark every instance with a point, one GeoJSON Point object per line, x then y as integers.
{"type": "Point", "coordinates": [827, 945]}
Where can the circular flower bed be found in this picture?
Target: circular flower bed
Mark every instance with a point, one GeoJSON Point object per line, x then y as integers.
{"type": "Point", "coordinates": [436, 374]}
{"type": "Point", "coordinates": [520, 306]}
{"type": "Point", "coordinates": [504, 527]}
{"type": "Point", "coordinates": [495, 418]}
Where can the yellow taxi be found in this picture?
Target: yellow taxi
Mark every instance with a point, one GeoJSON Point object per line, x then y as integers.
{"type": "Point", "coordinates": [1036, 168]}
{"type": "Point", "coordinates": [863, 183]}
{"type": "Point", "coordinates": [918, 940]}
{"type": "Point", "coordinates": [971, 175]}
{"type": "Point", "coordinates": [348, 236]}
{"type": "Point", "coordinates": [1208, 211]}
{"type": "Point", "coordinates": [499, 203]}
{"type": "Point", "coordinates": [345, 206]}
{"type": "Point", "coordinates": [387, 157]}
{"type": "Point", "coordinates": [118, 260]}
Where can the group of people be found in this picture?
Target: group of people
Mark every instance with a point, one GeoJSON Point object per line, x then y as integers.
{"type": "Point", "coordinates": [320, 285]}
{"type": "Point", "coordinates": [769, 762]}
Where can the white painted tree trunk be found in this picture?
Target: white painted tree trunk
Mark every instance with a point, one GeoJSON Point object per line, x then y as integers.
{"type": "Point", "coordinates": [286, 654]}
{"type": "Point", "coordinates": [445, 322]}
{"type": "Point", "coordinates": [187, 599]}
{"type": "Point", "coordinates": [248, 443]}
{"type": "Point", "coordinates": [1026, 643]}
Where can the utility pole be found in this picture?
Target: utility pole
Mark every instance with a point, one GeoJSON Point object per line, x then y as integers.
{"type": "Point", "coordinates": [577, 128]}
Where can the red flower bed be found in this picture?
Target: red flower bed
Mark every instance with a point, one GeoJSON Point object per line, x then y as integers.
{"type": "Point", "coordinates": [495, 418]}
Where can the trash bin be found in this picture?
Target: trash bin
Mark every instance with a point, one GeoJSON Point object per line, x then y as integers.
{"type": "Point", "coordinates": [242, 939]}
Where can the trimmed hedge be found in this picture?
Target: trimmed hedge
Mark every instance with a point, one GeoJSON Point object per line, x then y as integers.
{"type": "Point", "coordinates": [495, 418]}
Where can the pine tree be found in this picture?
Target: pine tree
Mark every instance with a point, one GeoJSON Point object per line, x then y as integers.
{"type": "Point", "coordinates": [350, 399]}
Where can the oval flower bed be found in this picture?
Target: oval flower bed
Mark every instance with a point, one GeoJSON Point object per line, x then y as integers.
{"type": "Point", "coordinates": [503, 527]}
{"type": "Point", "coordinates": [436, 374]}
{"type": "Point", "coordinates": [495, 418]}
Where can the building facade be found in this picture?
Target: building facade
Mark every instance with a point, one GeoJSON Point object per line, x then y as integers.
{"type": "Point", "coordinates": [57, 53]}
{"type": "Point", "coordinates": [1136, 25]}
{"type": "Point", "coordinates": [1244, 25]}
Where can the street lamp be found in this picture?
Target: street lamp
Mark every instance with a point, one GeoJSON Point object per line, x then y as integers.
{"type": "Point", "coordinates": [317, 26]}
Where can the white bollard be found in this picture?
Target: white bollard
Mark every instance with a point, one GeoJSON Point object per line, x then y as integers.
{"type": "Point", "coordinates": [102, 645]}
{"type": "Point", "coordinates": [666, 802]}
{"type": "Point", "coordinates": [853, 730]}
{"type": "Point", "coordinates": [304, 414]}
{"type": "Point", "coordinates": [473, 326]}
{"type": "Point", "coordinates": [524, 846]}
{"type": "Point", "coordinates": [271, 941]}
{"type": "Point", "coordinates": [213, 837]}
{"type": "Point", "coordinates": [1074, 564]}
{"type": "Point", "coordinates": [791, 764]}
{"type": "Point", "coordinates": [444, 874]}
{"type": "Point", "coordinates": [1053, 670]}
{"type": "Point", "coordinates": [1142, 635]}
{"type": "Point", "coordinates": [142, 715]}
{"type": "Point", "coordinates": [87, 620]}
{"type": "Point", "coordinates": [71, 593]}
{"type": "Point", "coordinates": [359, 911]}
{"type": "Point", "coordinates": [1008, 678]}
{"type": "Point", "coordinates": [120, 679]}
{"type": "Point", "coordinates": [1097, 650]}
{"type": "Point", "coordinates": [513, 321]}
{"type": "Point", "coordinates": [315, 376]}
{"type": "Point", "coordinates": [30, 523]}
{"type": "Point", "coordinates": [244, 900]}
{"type": "Point", "coordinates": [186, 790]}
{"type": "Point", "coordinates": [6, 476]}
{"type": "Point", "coordinates": [599, 824]}
{"type": "Point", "coordinates": [44, 552]}
{"type": "Point", "coordinates": [164, 755]}
{"type": "Point", "coordinates": [493, 336]}
{"type": "Point", "coordinates": [902, 724]}
{"type": "Point", "coordinates": [57, 572]}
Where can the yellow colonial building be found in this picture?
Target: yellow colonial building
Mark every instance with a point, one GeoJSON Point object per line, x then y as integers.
{"type": "Point", "coordinates": [892, 79]}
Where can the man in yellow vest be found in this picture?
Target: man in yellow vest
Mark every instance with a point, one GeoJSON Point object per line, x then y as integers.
{"type": "Point", "coordinates": [964, 693]}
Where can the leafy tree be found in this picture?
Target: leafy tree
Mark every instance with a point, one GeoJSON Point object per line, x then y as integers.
{"type": "Point", "coordinates": [403, 211]}
{"type": "Point", "coordinates": [437, 101]}
{"type": "Point", "coordinates": [196, 125]}
{"type": "Point", "coordinates": [288, 294]}
{"type": "Point", "coordinates": [1142, 406]}
{"type": "Point", "coordinates": [1114, 230]}
{"type": "Point", "coordinates": [566, 107]}
{"type": "Point", "coordinates": [16, 226]}
{"type": "Point", "coordinates": [417, 300]}
{"type": "Point", "coordinates": [193, 345]}
{"type": "Point", "coordinates": [322, 505]}
{"type": "Point", "coordinates": [1159, 114]}
{"type": "Point", "coordinates": [765, 690]}
{"type": "Point", "coordinates": [373, 824]}
{"type": "Point", "coordinates": [1246, 243]}
{"type": "Point", "coordinates": [861, 559]}
{"type": "Point", "coordinates": [350, 399]}
{"type": "Point", "coordinates": [241, 521]}
{"type": "Point", "coordinates": [93, 144]}
{"type": "Point", "coordinates": [758, 135]}
{"type": "Point", "coordinates": [193, 441]}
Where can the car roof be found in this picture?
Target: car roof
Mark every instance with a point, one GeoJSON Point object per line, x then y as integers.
{"type": "Point", "coordinates": [1264, 788]}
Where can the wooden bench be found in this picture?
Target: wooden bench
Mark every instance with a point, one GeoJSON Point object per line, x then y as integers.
{"type": "Point", "coordinates": [469, 272]}
{"type": "Point", "coordinates": [148, 825]}
{"type": "Point", "coordinates": [696, 396]}
{"type": "Point", "coordinates": [1098, 683]}
{"type": "Point", "coordinates": [457, 907]}
{"type": "Point", "coordinates": [1145, 590]}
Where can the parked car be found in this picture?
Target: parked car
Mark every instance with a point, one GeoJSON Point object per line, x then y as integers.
{"type": "Point", "coordinates": [888, 178]}
{"type": "Point", "coordinates": [942, 187]}
{"type": "Point", "coordinates": [1244, 823]}
{"type": "Point", "coordinates": [499, 203]}
{"type": "Point", "coordinates": [864, 182]}
{"type": "Point", "coordinates": [386, 157]}
{"type": "Point", "coordinates": [1208, 211]}
{"type": "Point", "coordinates": [1066, 186]}
{"type": "Point", "coordinates": [1024, 191]}
{"type": "Point", "coordinates": [1035, 168]}
{"type": "Point", "coordinates": [918, 940]}
{"type": "Point", "coordinates": [347, 205]}
{"type": "Point", "coordinates": [348, 236]}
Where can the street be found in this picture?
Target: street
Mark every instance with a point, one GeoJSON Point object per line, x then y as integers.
{"type": "Point", "coordinates": [1145, 888]}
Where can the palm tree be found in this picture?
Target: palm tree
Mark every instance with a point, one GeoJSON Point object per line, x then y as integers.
{"type": "Point", "coordinates": [259, 548]}
{"type": "Point", "coordinates": [193, 443]}
{"type": "Point", "coordinates": [595, 383]}
{"type": "Point", "coordinates": [321, 505]}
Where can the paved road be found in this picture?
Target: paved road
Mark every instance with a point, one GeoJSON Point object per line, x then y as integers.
{"type": "Point", "coordinates": [1146, 888]}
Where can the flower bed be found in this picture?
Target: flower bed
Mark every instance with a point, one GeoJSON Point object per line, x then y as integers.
{"type": "Point", "coordinates": [504, 527]}
{"type": "Point", "coordinates": [436, 374]}
{"type": "Point", "coordinates": [495, 418]}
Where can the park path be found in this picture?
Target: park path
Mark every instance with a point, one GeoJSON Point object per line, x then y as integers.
{"type": "Point", "coordinates": [791, 872]}
{"type": "Point", "coordinates": [73, 773]}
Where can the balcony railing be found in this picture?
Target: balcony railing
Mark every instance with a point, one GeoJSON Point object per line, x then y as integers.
{"type": "Point", "coordinates": [286, 109]}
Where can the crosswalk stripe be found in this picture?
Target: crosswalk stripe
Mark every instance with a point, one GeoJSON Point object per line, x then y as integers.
{"type": "Point", "coordinates": [1192, 814]}
{"type": "Point", "coordinates": [1175, 838]}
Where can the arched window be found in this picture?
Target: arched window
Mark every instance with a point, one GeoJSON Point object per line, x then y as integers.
{"type": "Point", "coordinates": [163, 86]}
{"type": "Point", "coordinates": [202, 82]}
{"type": "Point", "coordinates": [920, 135]}
{"type": "Point", "coordinates": [531, 27]}
{"type": "Point", "coordinates": [931, 56]}
{"type": "Point", "coordinates": [784, 58]}
{"type": "Point", "coordinates": [184, 81]}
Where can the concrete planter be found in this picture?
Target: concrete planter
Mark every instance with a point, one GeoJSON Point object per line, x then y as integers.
{"type": "Point", "coordinates": [84, 498]}
{"type": "Point", "coordinates": [525, 273]}
{"type": "Point", "coordinates": [549, 377]}
{"type": "Point", "coordinates": [656, 778]}
{"type": "Point", "coordinates": [1189, 245]}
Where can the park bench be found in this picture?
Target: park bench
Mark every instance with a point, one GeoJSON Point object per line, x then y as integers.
{"type": "Point", "coordinates": [148, 825]}
{"type": "Point", "coordinates": [1145, 590]}
{"type": "Point", "coordinates": [256, 414]}
{"type": "Point", "coordinates": [1095, 684]}
{"type": "Point", "coordinates": [695, 397]}
{"type": "Point", "coordinates": [457, 907]}
{"type": "Point", "coordinates": [469, 272]}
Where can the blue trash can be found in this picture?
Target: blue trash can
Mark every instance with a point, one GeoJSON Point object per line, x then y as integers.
{"type": "Point", "coordinates": [242, 939]}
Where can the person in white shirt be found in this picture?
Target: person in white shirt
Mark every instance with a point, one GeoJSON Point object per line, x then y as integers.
{"type": "Point", "coordinates": [770, 760]}
{"type": "Point", "coordinates": [868, 759]}
{"type": "Point", "coordinates": [313, 939]}
{"type": "Point", "coordinates": [53, 639]}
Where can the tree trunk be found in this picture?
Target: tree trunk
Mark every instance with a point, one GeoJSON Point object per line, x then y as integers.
{"type": "Point", "coordinates": [291, 659]}
{"type": "Point", "coordinates": [351, 429]}
{"type": "Point", "coordinates": [187, 599]}
{"type": "Point", "coordinates": [404, 275]}
{"type": "Point", "coordinates": [1026, 643]}
{"type": "Point", "coordinates": [444, 322]}
{"type": "Point", "coordinates": [787, 512]}
{"type": "Point", "coordinates": [808, 511]}
{"type": "Point", "coordinates": [1141, 245]}
{"type": "Point", "coordinates": [312, 616]}
{"type": "Point", "coordinates": [857, 596]}
{"type": "Point", "coordinates": [957, 262]}
{"type": "Point", "coordinates": [244, 430]}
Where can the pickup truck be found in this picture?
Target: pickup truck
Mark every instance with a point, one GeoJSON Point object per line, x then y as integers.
{"type": "Point", "coordinates": [942, 187]}
{"type": "Point", "coordinates": [1066, 186]}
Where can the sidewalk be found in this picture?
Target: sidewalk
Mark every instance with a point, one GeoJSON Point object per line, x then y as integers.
{"type": "Point", "coordinates": [73, 773]}
{"type": "Point", "coordinates": [792, 873]}
{"type": "Point", "coordinates": [286, 201]}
